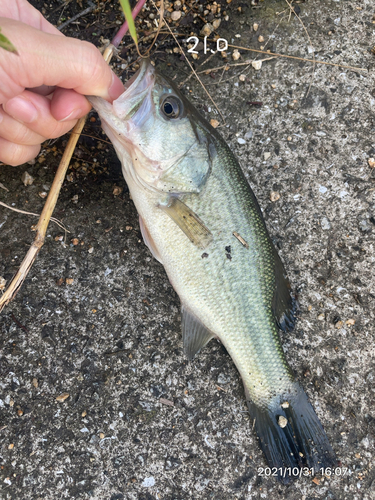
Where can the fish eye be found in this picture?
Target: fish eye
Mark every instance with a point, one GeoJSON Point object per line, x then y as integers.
{"type": "Point", "coordinates": [171, 107]}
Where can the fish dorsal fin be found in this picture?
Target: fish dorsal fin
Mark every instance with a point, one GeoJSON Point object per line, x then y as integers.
{"type": "Point", "coordinates": [194, 334]}
{"type": "Point", "coordinates": [188, 222]}
{"type": "Point", "coordinates": [284, 306]}
{"type": "Point", "coordinates": [147, 238]}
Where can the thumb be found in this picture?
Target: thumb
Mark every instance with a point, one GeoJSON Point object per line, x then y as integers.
{"type": "Point", "coordinates": [55, 60]}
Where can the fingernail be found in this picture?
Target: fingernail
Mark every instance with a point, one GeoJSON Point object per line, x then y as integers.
{"type": "Point", "coordinates": [116, 88]}
{"type": "Point", "coordinates": [21, 109]}
{"type": "Point", "coordinates": [76, 113]}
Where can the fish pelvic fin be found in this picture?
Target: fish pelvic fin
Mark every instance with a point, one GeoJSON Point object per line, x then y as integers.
{"type": "Point", "coordinates": [194, 334]}
{"type": "Point", "coordinates": [291, 436]}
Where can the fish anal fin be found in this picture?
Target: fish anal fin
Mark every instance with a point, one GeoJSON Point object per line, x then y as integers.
{"type": "Point", "coordinates": [188, 222]}
{"type": "Point", "coordinates": [147, 238]}
{"type": "Point", "coordinates": [194, 334]}
{"type": "Point", "coordinates": [284, 305]}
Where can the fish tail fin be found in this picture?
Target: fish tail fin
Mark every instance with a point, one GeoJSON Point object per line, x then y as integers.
{"type": "Point", "coordinates": [291, 435]}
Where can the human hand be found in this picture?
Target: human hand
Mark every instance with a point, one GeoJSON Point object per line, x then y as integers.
{"type": "Point", "coordinates": [42, 89]}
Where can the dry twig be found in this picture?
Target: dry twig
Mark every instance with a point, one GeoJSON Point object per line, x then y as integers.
{"type": "Point", "coordinates": [91, 7]}
{"type": "Point", "coordinates": [56, 221]}
{"type": "Point", "coordinates": [48, 208]}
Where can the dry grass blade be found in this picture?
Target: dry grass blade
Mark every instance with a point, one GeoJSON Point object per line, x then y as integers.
{"type": "Point", "coordinates": [49, 207]}
{"type": "Point", "coordinates": [315, 61]}
{"type": "Point", "coordinates": [56, 221]}
{"type": "Point", "coordinates": [161, 21]}
{"type": "Point", "coordinates": [308, 36]}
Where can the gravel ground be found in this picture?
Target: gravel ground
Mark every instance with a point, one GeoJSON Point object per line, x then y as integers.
{"type": "Point", "coordinates": [97, 319]}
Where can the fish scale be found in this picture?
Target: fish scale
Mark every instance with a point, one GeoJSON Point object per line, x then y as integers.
{"type": "Point", "coordinates": [194, 203]}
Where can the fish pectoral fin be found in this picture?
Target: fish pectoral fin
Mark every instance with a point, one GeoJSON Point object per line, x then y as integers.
{"type": "Point", "coordinates": [188, 222]}
{"type": "Point", "coordinates": [147, 238]}
{"type": "Point", "coordinates": [284, 306]}
{"type": "Point", "coordinates": [194, 334]}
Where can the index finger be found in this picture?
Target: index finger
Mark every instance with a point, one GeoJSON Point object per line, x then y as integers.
{"type": "Point", "coordinates": [55, 60]}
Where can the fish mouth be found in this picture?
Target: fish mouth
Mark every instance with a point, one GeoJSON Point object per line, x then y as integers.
{"type": "Point", "coordinates": [141, 73]}
{"type": "Point", "coordinates": [136, 89]}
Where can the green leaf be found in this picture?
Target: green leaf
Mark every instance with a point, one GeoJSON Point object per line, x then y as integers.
{"type": "Point", "coordinates": [7, 44]}
{"type": "Point", "coordinates": [129, 18]}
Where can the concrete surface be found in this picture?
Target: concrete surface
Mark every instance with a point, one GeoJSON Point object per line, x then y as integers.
{"type": "Point", "coordinates": [140, 421]}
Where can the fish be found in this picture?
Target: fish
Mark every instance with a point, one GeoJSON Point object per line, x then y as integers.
{"type": "Point", "coordinates": [200, 218]}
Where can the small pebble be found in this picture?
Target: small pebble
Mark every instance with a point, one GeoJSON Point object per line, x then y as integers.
{"type": "Point", "coordinates": [274, 196]}
{"type": "Point", "coordinates": [260, 38]}
{"type": "Point", "coordinates": [216, 23]}
{"type": "Point", "coordinates": [167, 402]}
{"type": "Point", "coordinates": [236, 55]}
{"type": "Point", "coordinates": [176, 15]}
{"type": "Point", "coordinates": [255, 26]}
{"type": "Point", "coordinates": [321, 317]}
{"type": "Point", "coordinates": [2, 283]}
{"type": "Point", "coordinates": [350, 322]}
{"type": "Point", "coordinates": [42, 194]}
{"type": "Point", "coordinates": [62, 397]}
{"type": "Point", "coordinates": [214, 123]}
{"type": "Point", "coordinates": [20, 412]}
{"type": "Point", "coordinates": [371, 162]}
{"type": "Point", "coordinates": [206, 30]}
{"type": "Point", "coordinates": [267, 155]}
{"type": "Point", "coordinates": [84, 413]}
{"type": "Point", "coordinates": [75, 241]}
{"type": "Point", "coordinates": [69, 281]}
{"type": "Point", "coordinates": [11, 446]}
{"type": "Point", "coordinates": [241, 141]}
{"type": "Point", "coordinates": [256, 65]}
{"type": "Point", "coordinates": [35, 383]}
{"type": "Point", "coordinates": [101, 435]}
{"type": "Point", "coordinates": [117, 190]}
{"type": "Point", "coordinates": [282, 421]}
{"type": "Point", "coordinates": [339, 325]}
{"type": "Point", "coordinates": [325, 224]}
{"type": "Point", "coordinates": [242, 78]}
{"type": "Point", "coordinates": [27, 179]}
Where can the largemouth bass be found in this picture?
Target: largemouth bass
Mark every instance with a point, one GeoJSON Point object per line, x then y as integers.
{"type": "Point", "coordinates": [201, 220]}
